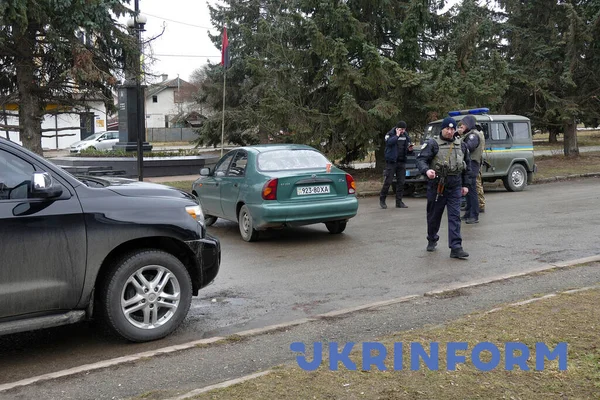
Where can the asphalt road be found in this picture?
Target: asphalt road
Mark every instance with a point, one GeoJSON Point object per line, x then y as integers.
{"type": "Point", "coordinates": [301, 272]}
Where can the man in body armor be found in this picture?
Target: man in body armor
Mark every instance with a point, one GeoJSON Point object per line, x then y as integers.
{"type": "Point", "coordinates": [445, 161]}
{"type": "Point", "coordinates": [475, 142]}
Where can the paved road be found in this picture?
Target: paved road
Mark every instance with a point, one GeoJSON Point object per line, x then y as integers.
{"type": "Point", "coordinates": [305, 271]}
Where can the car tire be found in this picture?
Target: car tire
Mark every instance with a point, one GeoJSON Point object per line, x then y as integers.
{"type": "Point", "coordinates": [516, 179]}
{"type": "Point", "coordinates": [246, 225]}
{"type": "Point", "coordinates": [336, 227]}
{"type": "Point", "coordinates": [130, 298]}
{"type": "Point", "coordinates": [209, 220]}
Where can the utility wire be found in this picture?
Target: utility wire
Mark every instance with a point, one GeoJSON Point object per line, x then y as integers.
{"type": "Point", "coordinates": [179, 22]}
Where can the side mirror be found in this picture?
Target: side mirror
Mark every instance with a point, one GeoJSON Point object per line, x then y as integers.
{"type": "Point", "coordinates": [204, 171]}
{"type": "Point", "coordinates": [43, 186]}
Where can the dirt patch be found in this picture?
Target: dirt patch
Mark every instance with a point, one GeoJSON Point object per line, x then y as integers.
{"type": "Point", "coordinates": [571, 318]}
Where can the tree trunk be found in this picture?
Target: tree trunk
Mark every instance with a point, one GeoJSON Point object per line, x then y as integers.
{"type": "Point", "coordinates": [30, 108]}
{"type": "Point", "coordinates": [570, 139]}
{"type": "Point", "coordinates": [552, 134]}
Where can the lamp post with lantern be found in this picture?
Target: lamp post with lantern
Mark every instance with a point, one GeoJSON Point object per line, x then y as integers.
{"type": "Point", "coordinates": [132, 116]}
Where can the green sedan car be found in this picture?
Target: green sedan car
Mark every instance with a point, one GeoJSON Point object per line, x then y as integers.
{"type": "Point", "coordinates": [273, 186]}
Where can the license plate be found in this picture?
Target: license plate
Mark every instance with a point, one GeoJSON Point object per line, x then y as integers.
{"type": "Point", "coordinates": [312, 190]}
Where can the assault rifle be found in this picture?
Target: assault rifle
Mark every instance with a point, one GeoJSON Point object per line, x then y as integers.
{"type": "Point", "coordinates": [442, 173]}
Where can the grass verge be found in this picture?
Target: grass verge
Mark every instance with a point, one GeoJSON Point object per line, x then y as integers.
{"type": "Point", "coordinates": [571, 318]}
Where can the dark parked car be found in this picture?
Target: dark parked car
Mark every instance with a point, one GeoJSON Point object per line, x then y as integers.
{"type": "Point", "coordinates": [132, 253]}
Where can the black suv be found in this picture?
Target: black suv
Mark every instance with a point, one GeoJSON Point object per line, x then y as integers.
{"type": "Point", "coordinates": [132, 253]}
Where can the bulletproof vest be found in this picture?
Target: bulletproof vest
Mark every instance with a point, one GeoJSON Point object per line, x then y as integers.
{"type": "Point", "coordinates": [477, 154]}
{"type": "Point", "coordinates": [455, 161]}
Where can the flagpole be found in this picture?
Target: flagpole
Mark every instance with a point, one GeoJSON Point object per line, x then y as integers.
{"type": "Point", "coordinates": [223, 118]}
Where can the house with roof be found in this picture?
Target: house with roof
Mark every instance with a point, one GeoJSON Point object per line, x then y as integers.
{"type": "Point", "coordinates": [169, 103]}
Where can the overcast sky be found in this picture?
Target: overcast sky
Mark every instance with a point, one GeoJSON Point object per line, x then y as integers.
{"type": "Point", "coordinates": [184, 45]}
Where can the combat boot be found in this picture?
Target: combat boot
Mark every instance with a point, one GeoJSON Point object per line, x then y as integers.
{"type": "Point", "coordinates": [382, 203]}
{"type": "Point", "coordinates": [459, 253]}
{"type": "Point", "coordinates": [400, 204]}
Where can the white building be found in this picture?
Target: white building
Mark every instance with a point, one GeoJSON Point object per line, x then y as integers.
{"type": "Point", "coordinates": [167, 100]}
{"type": "Point", "coordinates": [93, 115]}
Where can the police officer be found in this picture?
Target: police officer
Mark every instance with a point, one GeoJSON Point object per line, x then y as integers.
{"type": "Point", "coordinates": [475, 142]}
{"type": "Point", "coordinates": [397, 146]}
{"type": "Point", "coordinates": [445, 161]}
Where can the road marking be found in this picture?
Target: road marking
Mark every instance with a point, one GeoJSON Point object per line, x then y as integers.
{"type": "Point", "coordinates": [257, 331]}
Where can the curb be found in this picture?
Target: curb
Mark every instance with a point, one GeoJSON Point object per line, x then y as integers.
{"type": "Point", "coordinates": [285, 325]}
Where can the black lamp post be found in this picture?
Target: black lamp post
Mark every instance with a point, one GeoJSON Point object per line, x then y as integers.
{"type": "Point", "coordinates": [132, 116]}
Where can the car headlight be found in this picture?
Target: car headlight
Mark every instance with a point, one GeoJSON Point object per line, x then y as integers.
{"type": "Point", "coordinates": [196, 213]}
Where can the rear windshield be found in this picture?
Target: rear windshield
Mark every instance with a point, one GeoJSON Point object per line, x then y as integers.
{"type": "Point", "coordinates": [282, 160]}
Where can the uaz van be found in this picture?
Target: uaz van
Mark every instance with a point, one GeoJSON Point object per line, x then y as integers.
{"type": "Point", "coordinates": [508, 153]}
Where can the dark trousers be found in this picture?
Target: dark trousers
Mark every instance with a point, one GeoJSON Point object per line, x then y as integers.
{"type": "Point", "coordinates": [435, 209]}
{"type": "Point", "coordinates": [391, 168]}
{"type": "Point", "coordinates": [472, 208]}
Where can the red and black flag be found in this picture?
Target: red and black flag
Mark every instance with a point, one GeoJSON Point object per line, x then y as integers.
{"type": "Point", "coordinates": [225, 61]}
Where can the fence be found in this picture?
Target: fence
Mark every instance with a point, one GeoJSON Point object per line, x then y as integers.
{"type": "Point", "coordinates": [170, 135]}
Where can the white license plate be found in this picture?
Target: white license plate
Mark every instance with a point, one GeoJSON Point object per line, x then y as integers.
{"type": "Point", "coordinates": [312, 190]}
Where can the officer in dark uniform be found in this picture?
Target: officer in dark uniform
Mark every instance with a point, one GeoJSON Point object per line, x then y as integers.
{"type": "Point", "coordinates": [397, 147]}
{"type": "Point", "coordinates": [475, 142]}
{"type": "Point", "coordinates": [445, 161]}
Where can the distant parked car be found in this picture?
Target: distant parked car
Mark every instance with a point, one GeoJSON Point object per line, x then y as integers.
{"type": "Point", "coordinates": [99, 141]}
{"type": "Point", "coordinates": [273, 186]}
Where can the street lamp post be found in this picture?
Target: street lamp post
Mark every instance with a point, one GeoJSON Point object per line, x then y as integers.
{"type": "Point", "coordinates": [132, 117]}
{"type": "Point", "coordinates": [138, 25]}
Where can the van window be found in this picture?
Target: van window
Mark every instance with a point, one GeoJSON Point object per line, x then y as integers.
{"type": "Point", "coordinates": [520, 130]}
{"type": "Point", "coordinates": [499, 131]}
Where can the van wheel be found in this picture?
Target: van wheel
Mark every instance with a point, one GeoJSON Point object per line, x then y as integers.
{"type": "Point", "coordinates": [336, 226]}
{"type": "Point", "coordinates": [209, 220]}
{"type": "Point", "coordinates": [516, 180]}
{"type": "Point", "coordinates": [246, 223]}
{"type": "Point", "coordinates": [146, 295]}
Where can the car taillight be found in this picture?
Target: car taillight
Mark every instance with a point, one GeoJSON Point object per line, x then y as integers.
{"type": "Point", "coordinates": [269, 191]}
{"type": "Point", "coordinates": [351, 184]}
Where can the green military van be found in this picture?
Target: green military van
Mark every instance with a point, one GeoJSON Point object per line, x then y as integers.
{"type": "Point", "coordinates": [508, 152]}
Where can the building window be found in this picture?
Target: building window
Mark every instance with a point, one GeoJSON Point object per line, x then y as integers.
{"type": "Point", "coordinates": [155, 99]}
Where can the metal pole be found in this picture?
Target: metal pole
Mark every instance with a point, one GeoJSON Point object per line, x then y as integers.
{"type": "Point", "coordinates": [138, 90]}
{"type": "Point", "coordinates": [56, 129]}
{"type": "Point", "coordinates": [223, 119]}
